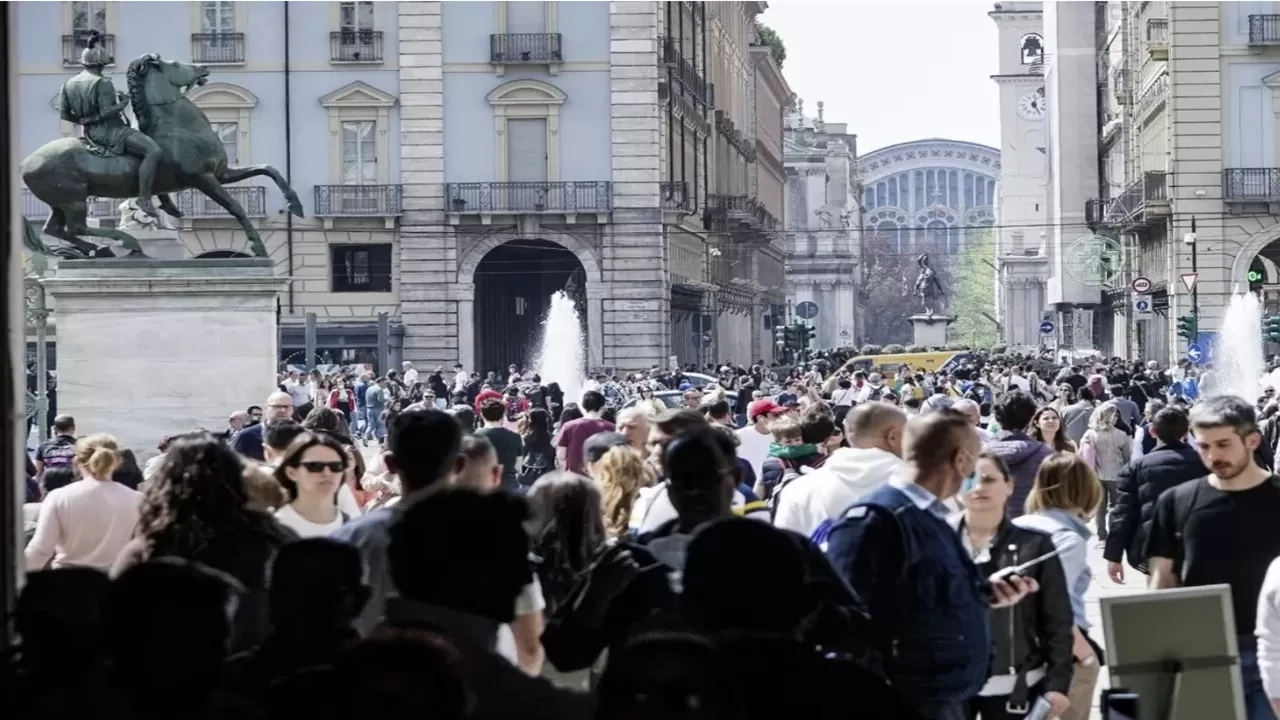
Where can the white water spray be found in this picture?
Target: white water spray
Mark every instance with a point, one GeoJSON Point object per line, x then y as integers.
{"type": "Point", "coordinates": [561, 357]}
{"type": "Point", "coordinates": [1239, 361]}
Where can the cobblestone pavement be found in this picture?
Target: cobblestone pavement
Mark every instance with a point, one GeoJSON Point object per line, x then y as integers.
{"type": "Point", "coordinates": [1134, 582]}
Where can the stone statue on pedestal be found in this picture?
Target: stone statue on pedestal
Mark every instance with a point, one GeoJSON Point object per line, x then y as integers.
{"type": "Point", "coordinates": [173, 148]}
{"type": "Point", "coordinates": [928, 286]}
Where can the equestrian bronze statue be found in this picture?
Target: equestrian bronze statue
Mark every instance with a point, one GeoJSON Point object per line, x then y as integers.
{"type": "Point", "coordinates": [928, 286]}
{"type": "Point", "coordinates": [173, 148]}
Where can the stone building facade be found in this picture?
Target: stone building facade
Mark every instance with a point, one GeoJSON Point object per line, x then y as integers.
{"type": "Point", "coordinates": [823, 225]}
{"type": "Point", "coordinates": [1187, 141]}
{"type": "Point", "coordinates": [514, 189]}
{"type": "Point", "coordinates": [1022, 204]}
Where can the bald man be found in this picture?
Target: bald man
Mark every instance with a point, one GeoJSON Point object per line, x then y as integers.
{"type": "Point", "coordinates": [919, 584]}
{"type": "Point", "coordinates": [248, 442]}
{"type": "Point", "coordinates": [812, 502]}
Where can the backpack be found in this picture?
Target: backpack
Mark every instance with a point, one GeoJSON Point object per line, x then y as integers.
{"type": "Point", "coordinates": [787, 476]}
{"type": "Point", "coordinates": [876, 394]}
{"type": "Point", "coordinates": [536, 463]}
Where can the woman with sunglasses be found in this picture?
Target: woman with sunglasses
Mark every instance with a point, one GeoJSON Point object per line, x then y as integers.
{"type": "Point", "coordinates": [312, 472]}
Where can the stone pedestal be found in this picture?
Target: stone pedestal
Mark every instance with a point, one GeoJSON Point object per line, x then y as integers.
{"type": "Point", "coordinates": [931, 330]}
{"type": "Point", "coordinates": [149, 348]}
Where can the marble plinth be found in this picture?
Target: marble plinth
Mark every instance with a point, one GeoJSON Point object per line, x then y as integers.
{"type": "Point", "coordinates": [150, 348]}
{"type": "Point", "coordinates": [931, 330]}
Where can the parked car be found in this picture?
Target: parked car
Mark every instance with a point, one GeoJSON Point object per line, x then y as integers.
{"type": "Point", "coordinates": [674, 398]}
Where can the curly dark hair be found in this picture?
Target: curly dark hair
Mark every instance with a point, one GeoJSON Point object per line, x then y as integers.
{"type": "Point", "coordinates": [197, 495]}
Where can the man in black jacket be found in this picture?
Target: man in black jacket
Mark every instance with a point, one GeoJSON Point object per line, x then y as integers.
{"type": "Point", "coordinates": [1140, 484]}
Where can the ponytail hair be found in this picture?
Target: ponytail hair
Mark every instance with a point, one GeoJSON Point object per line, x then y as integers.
{"type": "Point", "coordinates": [99, 455]}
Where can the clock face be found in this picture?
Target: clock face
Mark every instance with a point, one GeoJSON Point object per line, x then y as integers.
{"type": "Point", "coordinates": [1032, 105]}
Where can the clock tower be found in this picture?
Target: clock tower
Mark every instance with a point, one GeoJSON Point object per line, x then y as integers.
{"type": "Point", "coordinates": [1022, 200]}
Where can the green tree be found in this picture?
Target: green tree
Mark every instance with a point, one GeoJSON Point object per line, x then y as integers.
{"type": "Point", "coordinates": [973, 292]}
{"type": "Point", "coordinates": [768, 36]}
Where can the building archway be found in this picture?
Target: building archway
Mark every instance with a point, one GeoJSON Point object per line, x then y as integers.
{"type": "Point", "coordinates": [514, 282]}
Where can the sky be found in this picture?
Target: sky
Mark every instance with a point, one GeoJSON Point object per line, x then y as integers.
{"type": "Point", "coordinates": [894, 70]}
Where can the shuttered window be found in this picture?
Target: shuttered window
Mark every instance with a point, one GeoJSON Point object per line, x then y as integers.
{"type": "Point", "coordinates": [527, 150]}
{"type": "Point", "coordinates": [526, 17]}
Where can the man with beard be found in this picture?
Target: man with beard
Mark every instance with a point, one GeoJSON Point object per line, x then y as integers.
{"type": "Point", "coordinates": [1221, 530]}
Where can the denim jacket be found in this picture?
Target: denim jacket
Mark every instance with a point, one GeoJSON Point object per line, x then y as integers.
{"type": "Point", "coordinates": [1070, 536]}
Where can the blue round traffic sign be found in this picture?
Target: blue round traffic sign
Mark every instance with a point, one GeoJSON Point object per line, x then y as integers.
{"type": "Point", "coordinates": [1195, 354]}
{"type": "Point", "coordinates": [1046, 327]}
{"type": "Point", "coordinates": [807, 310]}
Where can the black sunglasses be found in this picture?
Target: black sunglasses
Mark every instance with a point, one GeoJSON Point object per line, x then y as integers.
{"type": "Point", "coordinates": [316, 466]}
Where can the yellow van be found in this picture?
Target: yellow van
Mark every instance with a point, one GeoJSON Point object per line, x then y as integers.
{"type": "Point", "coordinates": [890, 365]}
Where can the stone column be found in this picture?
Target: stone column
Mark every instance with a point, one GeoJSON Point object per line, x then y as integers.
{"type": "Point", "coordinates": [427, 250]}
{"type": "Point", "coordinates": [628, 343]}
{"type": "Point", "coordinates": [131, 333]}
{"type": "Point", "coordinates": [466, 324]}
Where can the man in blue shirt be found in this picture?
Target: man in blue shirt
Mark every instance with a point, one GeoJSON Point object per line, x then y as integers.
{"type": "Point", "coordinates": [927, 602]}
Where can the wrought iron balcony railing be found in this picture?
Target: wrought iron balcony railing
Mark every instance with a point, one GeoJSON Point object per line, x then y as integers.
{"type": "Point", "coordinates": [1158, 31]}
{"type": "Point", "coordinates": [685, 71]}
{"type": "Point", "coordinates": [74, 44]}
{"type": "Point", "coordinates": [743, 210]}
{"type": "Point", "coordinates": [1122, 85]}
{"type": "Point", "coordinates": [1130, 206]}
{"type": "Point", "coordinates": [1251, 185]}
{"type": "Point", "coordinates": [355, 46]}
{"type": "Point", "coordinates": [33, 208]}
{"type": "Point", "coordinates": [217, 48]}
{"type": "Point", "coordinates": [195, 205]}
{"type": "Point", "coordinates": [358, 201]}
{"type": "Point", "coordinates": [519, 48]}
{"type": "Point", "coordinates": [675, 195]}
{"type": "Point", "coordinates": [1264, 29]}
{"type": "Point", "coordinates": [529, 197]}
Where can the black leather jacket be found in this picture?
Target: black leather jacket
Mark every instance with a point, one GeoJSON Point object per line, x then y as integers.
{"type": "Point", "coordinates": [1037, 631]}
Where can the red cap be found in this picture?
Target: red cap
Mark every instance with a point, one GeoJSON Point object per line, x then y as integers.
{"type": "Point", "coordinates": [762, 407]}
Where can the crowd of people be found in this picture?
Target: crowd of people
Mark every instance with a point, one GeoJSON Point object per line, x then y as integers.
{"type": "Point", "coordinates": [818, 540]}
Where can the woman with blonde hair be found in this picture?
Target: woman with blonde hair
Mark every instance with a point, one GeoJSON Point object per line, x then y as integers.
{"type": "Point", "coordinates": [621, 472]}
{"type": "Point", "coordinates": [86, 523]}
{"type": "Point", "coordinates": [1065, 495]}
{"type": "Point", "coordinates": [1106, 448]}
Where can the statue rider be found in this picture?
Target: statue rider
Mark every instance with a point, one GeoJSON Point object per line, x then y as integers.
{"type": "Point", "coordinates": [90, 100]}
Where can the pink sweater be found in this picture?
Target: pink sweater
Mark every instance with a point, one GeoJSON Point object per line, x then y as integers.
{"type": "Point", "coordinates": [85, 524]}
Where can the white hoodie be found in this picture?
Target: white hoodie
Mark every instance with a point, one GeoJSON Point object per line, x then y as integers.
{"type": "Point", "coordinates": [812, 502]}
{"type": "Point", "coordinates": [1268, 630]}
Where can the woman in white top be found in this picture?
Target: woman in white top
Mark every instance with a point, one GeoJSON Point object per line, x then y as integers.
{"type": "Point", "coordinates": [311, 472]}
{"type": "Point", "coordinates": [86, 523]}
{"type": "Point", "coordinates": [1106, 448]}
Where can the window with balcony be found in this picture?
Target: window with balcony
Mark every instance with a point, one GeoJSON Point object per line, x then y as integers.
{"type": "Point", "coordinates": [219, 39]}
{"type": "Point", "coordinates": [525, 33]}
{"type": "Point", "coordinates": [356, 40]}
{"type": "Point", "coordinates": [229, 134]}
{"type": "Point", "coordinates": [526, 117]}
{"type": "Point", "coordinates": [359, 122]}
{"type": "Point", "coordinates": [361, 268]}
{"type": "Point", "coordinates": [79, 18]}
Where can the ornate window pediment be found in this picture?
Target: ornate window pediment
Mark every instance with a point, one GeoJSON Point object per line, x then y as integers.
{"type": "Point", "coordinates": [222, 95]}
{"type": "Point", "coordinates": [358, 95]}
{"type": "Point", "coordinates": [526, 92]}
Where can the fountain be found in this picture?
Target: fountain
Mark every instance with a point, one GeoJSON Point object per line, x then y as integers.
{"type": "Point", "coordinates": [561, 358]}
{"type": "Point", "coordinates": [1238, 359]}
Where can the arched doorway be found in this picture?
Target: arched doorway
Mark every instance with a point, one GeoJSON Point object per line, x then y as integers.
{"type": "Point", "coordinates": [514, 283]}
{"type": "Point", "coordinates": [221, 255]}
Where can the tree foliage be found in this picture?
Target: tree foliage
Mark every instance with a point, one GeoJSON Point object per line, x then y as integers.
{"type": "Point", "coordinates": [973, 292]}
{"type": "Point", "coordinates": [769, 36]}
{"type": "Point", "coordinates": [887, 300]}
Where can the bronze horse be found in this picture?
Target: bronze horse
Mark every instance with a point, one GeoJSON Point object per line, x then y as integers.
{"type": "Point", "coordinates": [65, 174]}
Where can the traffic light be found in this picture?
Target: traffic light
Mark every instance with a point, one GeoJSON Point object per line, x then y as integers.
{"type": "Point", "coordinates": [1271, 328]}
{"type": "Point", "coordinates": [782, 336]}
{"type": "Point", "coordinates": [1187, 327]}
{"type": "Point", "coordinates": [805, 335]}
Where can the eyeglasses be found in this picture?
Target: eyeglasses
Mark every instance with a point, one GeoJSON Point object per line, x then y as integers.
{"type": "Point", "coordinates": [316, 466]}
